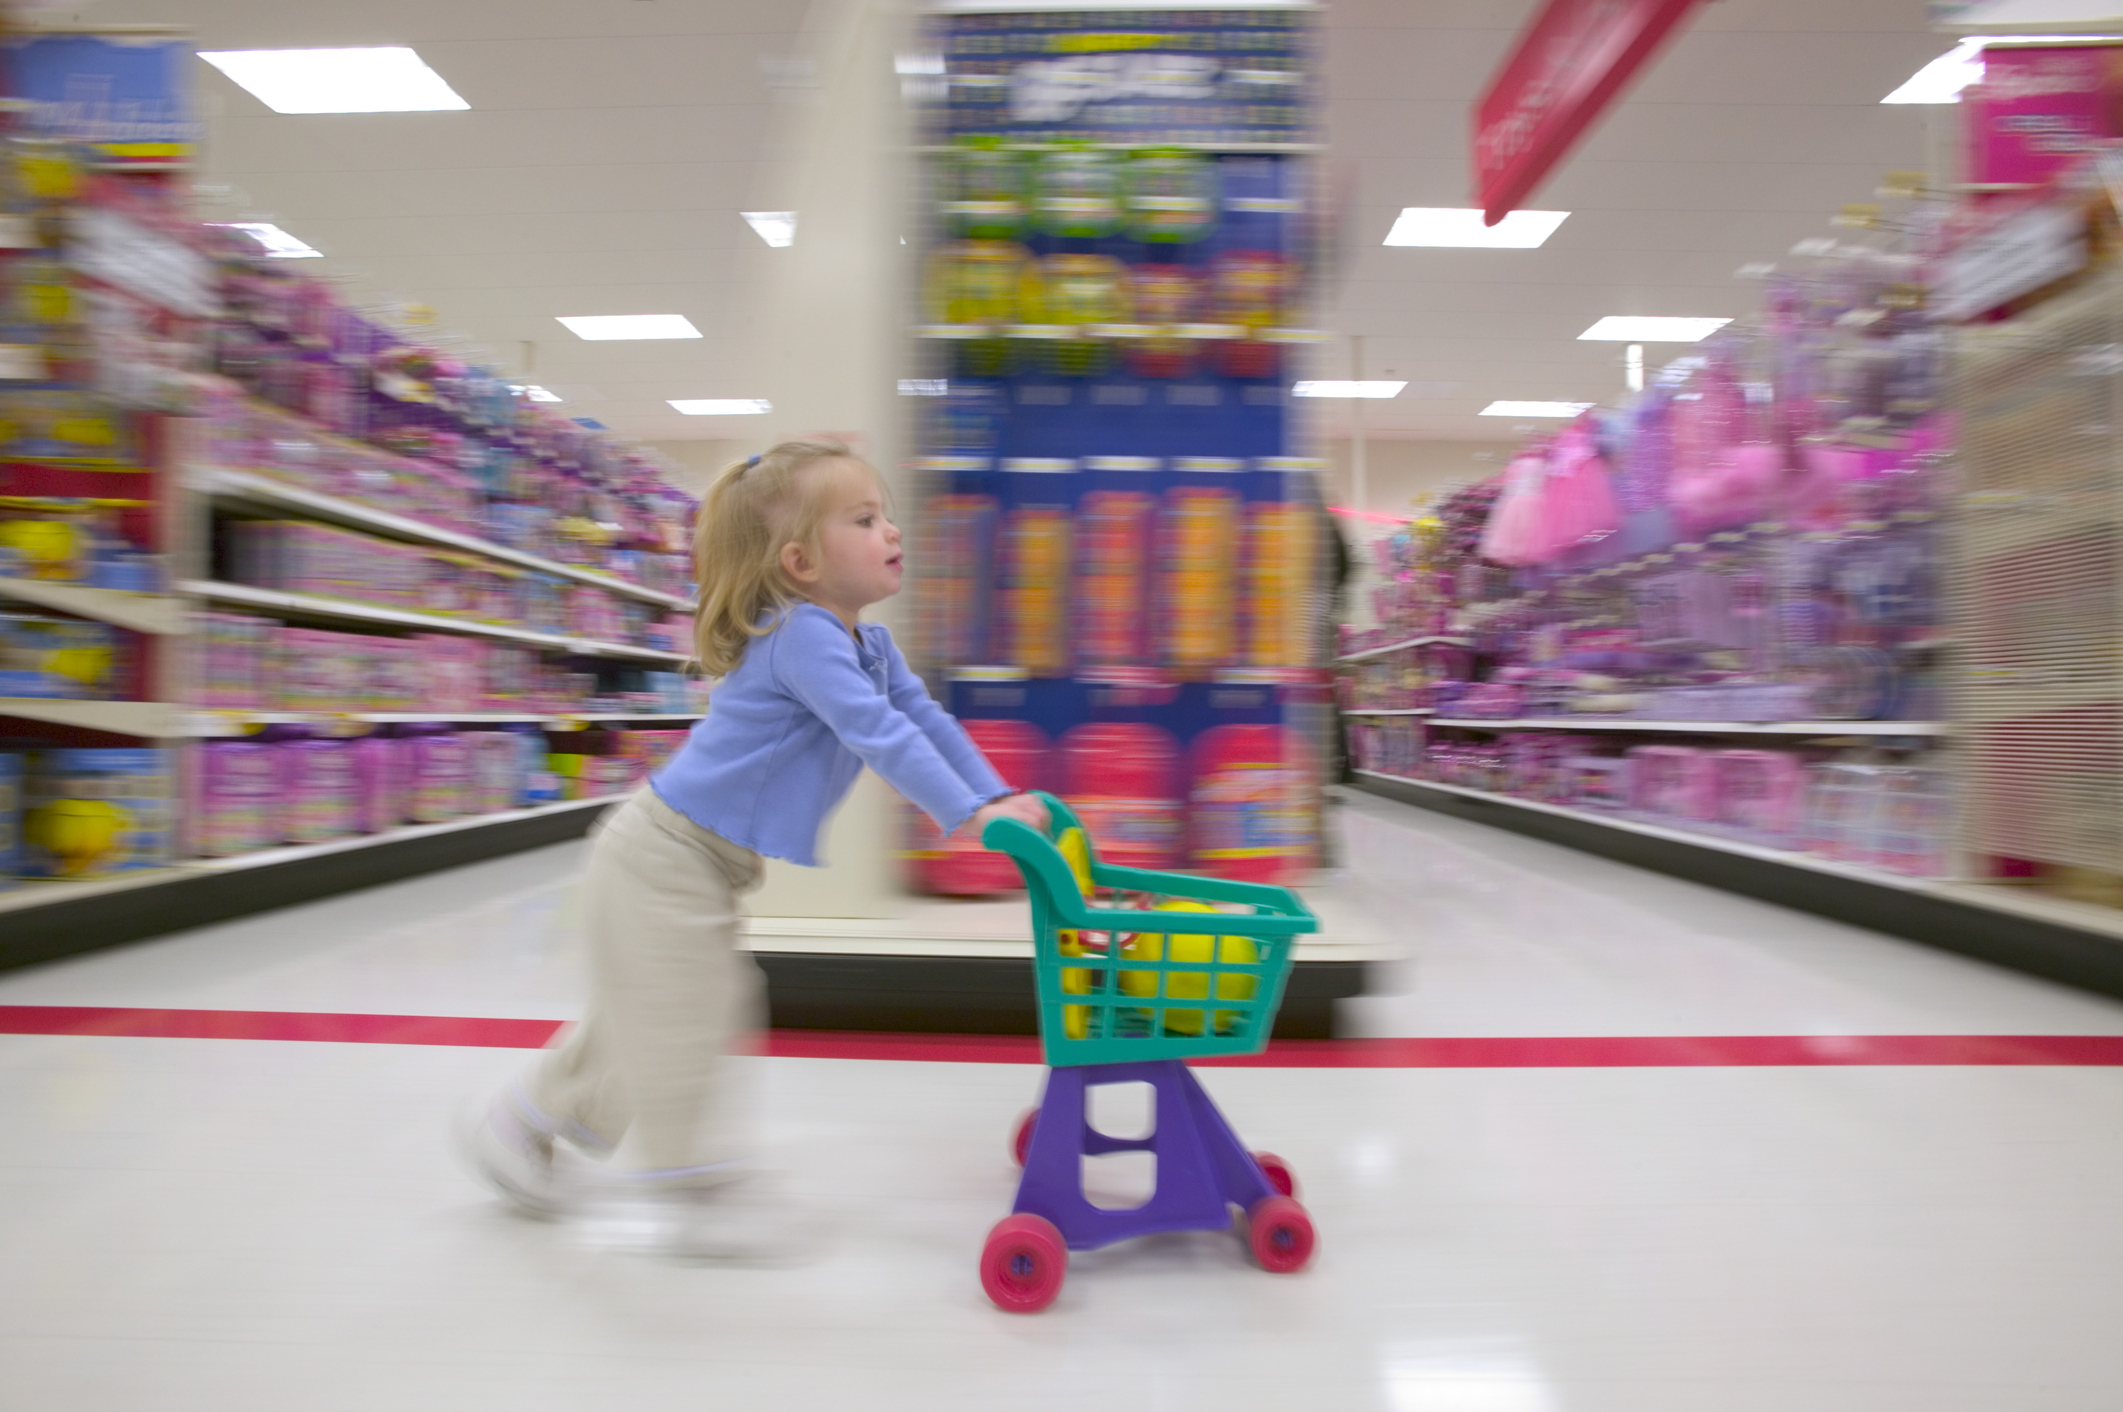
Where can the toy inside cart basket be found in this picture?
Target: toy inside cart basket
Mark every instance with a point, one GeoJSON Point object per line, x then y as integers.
{"type": "Point", "coordinates": [1196, 967]}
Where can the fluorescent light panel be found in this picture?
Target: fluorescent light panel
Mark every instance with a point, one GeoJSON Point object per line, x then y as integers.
{"type": "Point", "coordinates": [1630, 328]}
{"type": "Point", "coordinates": [279, 245]}
{"type": "Point", "coordinates": [776, 228]}
{"type": "Point", "coordinates": [1534, 409]}
{"type": "Point", "coordinates": [1347, 389]}
{"type": "Point", "coordinates": [598, 328]}
{"type": "Point", "coordinates": [386, 80]}
{"type": "Point", "coordinates": [1462, 227]}
{"type": "Point", "coordinates": [722, 406]}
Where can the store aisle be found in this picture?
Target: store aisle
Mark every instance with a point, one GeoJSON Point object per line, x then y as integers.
{"type": "Point", "coordinates": [247, 1223]}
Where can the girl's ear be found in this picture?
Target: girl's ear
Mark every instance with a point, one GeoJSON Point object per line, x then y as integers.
{"type": "Point", "coordinates": [796, 563]}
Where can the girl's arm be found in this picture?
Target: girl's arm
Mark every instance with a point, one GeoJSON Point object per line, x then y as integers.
{"type": "Point", "coordinates": [912, 697]}
{"type": "Point", "coordinates": [813, 659]}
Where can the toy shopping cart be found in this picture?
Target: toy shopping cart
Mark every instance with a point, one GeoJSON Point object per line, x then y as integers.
{"type": "Point", "coordinates": [1127, 994]}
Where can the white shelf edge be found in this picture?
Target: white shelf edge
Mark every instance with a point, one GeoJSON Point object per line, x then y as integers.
{"type": "Point", "coordinates": [159, 613]}
{"type": "Point", "coordinates": [1610, 723]}
{"type": "Point", "coordinates": [207, 721]}
{"type": "Point", "coordinates": [1786, 856]}
{"type": "Point", "coordinates": [30, 893]}
{"type": "Point", "coordinates": [295, 852]}
{"type": "Point", "coordinates": [146, 719]}
{"type": "Point", "coordinates": [218, 592]}
{"type": "Point", "coordinates": [1398, 711]}
{"type": "Point", "coordinates": [1432, 640]}
{"type": "Point", "coordinates": [248, 485]}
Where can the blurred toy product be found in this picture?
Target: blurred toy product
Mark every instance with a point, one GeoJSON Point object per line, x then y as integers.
{"type": "Point", "coordinates": [1115, 533]}
{"type": "Point", "coordinates": [1035, 556]}
{"type": "Point", "coordinates": [441, 774]}
{"type": "Point", "coordinates": [1076, 193]}
{"type": "Point", "coordinates": [1198, 553]}
{"type": "Point", "coordinates": [11, 768]}
{"type": "Point", "coordinates": [1167, 299]}
{"type": "Point", "coordinates": [957, 591]}
{"type": "Point", "coordinates": [319, 782]}
{"type": "Point", "coordinates": [984, 195]}
{"type": "Point", "coordinates": [960, 865]}
{"type": "Point", "coordinates": [93, 812]}
{"type": "Point", "coordinates": [1122, 779]}
{"type": "Point", "coordinates": [1281, 571]}
{"type": "Point", "coordinates": [1253, 808]}
{"type": "Point", "coordinates": [235, 798]}
{"type": "Point", "coordinates": [45, 656]}
{"type": "Point", "coordinates": [1169, 197]}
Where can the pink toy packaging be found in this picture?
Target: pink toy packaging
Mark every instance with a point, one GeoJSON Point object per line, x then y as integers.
{"type": "Point", "coordinates": [1599, 781]}
{"type": "Point", "coordinates": [1673, 780]}
{"type": "Point", "coordinates": [232, 656]}
{"type": "Point", "coordinates": [2038, 106]}
{"type": "Point", "coordinates": [452, 671]}
{"type": "Point", "coordinates": [236, 794]}
{"type": "Point", "coordinates": [379, 783]}
{"type": "Point", "coordinates": [1253, 812]}
{"type": "Point", "coordinates": [496, 771]}
{"type": "Point", "coordinates": [315, 670]}
{"type": "Point", "coordinates": [318, 800]}
{"type": "Point", "coordinates": [441, 774]}
{"type": "Point", "coordinates": [1759, 793]}
{"type": "Point", "coordinates": [1122, 779]}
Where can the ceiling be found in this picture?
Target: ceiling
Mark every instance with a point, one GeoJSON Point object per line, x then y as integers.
{"type": "Point", "coordinates": [611, 145]}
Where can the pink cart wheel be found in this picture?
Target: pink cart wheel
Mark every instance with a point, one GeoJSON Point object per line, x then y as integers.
{"type": "Point", "coordinates": [1280, 1234]}
{"type": "Point", "coordinates": [1021, 1139]}
{"type": "Point", "coordinates": [1022, 1265]}
{"type": "Point", "coordinates": [1278, 1172]}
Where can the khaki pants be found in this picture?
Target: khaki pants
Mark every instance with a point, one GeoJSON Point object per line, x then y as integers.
{"type": "Point", "coordinates": [645, 1071]}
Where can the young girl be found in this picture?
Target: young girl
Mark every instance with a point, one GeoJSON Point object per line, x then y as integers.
{"type": "Point", "coordinates": [791, 546]}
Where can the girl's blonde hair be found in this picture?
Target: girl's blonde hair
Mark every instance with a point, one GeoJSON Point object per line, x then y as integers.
{"type": "Point", "coordinates": [754, 508]}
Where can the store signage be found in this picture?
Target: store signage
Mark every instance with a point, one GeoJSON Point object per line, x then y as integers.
{"type": "Point", "coordinates": [125, 94]}
{"type": "Point", "coordinates": [1207, 77]}
{"type": "Point", "coordinates": [1568, 65]}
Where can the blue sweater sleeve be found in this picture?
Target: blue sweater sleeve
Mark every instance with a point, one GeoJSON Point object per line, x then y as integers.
{"type": "Point", "coordinates": [911, 696]}
{"type": "Point", "coordinates": [812, 657]}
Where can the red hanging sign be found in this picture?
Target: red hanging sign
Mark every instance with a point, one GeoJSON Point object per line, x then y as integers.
{"type": "Point", "coordinates": [1568, 64]}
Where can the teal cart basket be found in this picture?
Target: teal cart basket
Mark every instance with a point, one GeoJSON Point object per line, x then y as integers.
{"type": "Point", "coordinates": [1149, 970]}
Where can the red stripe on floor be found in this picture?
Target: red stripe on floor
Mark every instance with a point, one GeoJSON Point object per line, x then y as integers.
{"type": "Point", "coordinates": [1567, 1052]}
{"type": "Point", "coordinates": [276, 1024]}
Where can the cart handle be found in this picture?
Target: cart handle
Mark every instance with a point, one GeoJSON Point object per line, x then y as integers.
{"type": "Point", "coordinates": [1280, 913]}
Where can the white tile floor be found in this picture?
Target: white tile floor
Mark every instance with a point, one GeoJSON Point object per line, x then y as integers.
{"type": "Point", "coordinates": [240, 1224]}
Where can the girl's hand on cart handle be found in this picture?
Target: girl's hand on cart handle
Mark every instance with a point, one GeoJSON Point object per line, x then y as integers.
{"type": "Point", "coordinates": [1024, 808]}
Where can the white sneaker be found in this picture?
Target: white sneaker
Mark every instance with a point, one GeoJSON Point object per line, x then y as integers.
{"type": "Point", "coordinates": [516, 1157]}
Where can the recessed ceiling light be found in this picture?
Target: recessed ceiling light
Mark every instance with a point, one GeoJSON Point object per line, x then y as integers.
{"type": "Point", "coordinates": [387, 80]}
{"type": "Point", "coordinates": [1461, 226]}
{"type": "Point", "coordinates": [532, 392]}
{"type": "Point", "coordinates": [279, 245]}
{"type": "Point", "coordinates": [722, 406]}
{"type": "Point", "coordinates": [776, 228]}
{"type": "Point", "coordinates": [1347, 389]}
{"type": "Point", "coordinates": [1630, 328]}
{"type": "Point", "coordinates": [1534, 409]}
{"type": "Point", "coordinates": [600, 327]}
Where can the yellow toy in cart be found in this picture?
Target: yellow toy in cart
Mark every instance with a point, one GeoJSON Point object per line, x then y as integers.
{"type": "Point", "coordinates": [1076, 1019]}
{"type": "Point", "coordinates": [1194, 949]}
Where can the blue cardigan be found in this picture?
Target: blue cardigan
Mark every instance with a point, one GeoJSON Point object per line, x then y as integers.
{"type": "Point", "coordinates": [792, 726]}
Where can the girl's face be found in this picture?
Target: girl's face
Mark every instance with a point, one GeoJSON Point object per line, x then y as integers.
{"type": "Point", "coordinates": [859, 560]}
